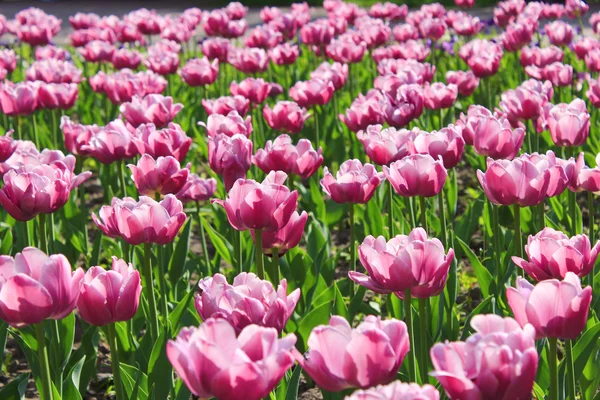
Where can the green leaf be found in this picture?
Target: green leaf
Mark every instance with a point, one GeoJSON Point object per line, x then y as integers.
{"type": "Point", "coordinates": [94, 259]}
{"type": "Point", "coordinates": [318, 316]}
{"type": "Point", "coordinates": [16, 388]}
{"type": "Point", "coordinates": [374, 219]}
{"type": "Point", "coordinates": [135, 382]}
{"type": "Point", "coordinates": [176, 314]}
{"type": "Point", "coordinates": [356, 302]}
{"type": "Point", "coordinates": [340, 304]}
{"type": "Point", "coordinates": [483, 275]}
{"type": "Point", "coordinates": [583, 350]}
{"type": "Point", "coordinates": [477, 310]}
{"type": "Point", "coordinates": [66, 329]}
{"type": "Point", "coordinates": [6, 242]}
{"type": "Point", "coordinates": [177, 262]}
{"type": "Point", "coordinates": [222, 246]}
{"type": "Point", "coordinates": [294, 383]}
{"type": "Point", "coordinates": [71, 382]}
{"type": "Point", "coordinates": [160, 371]}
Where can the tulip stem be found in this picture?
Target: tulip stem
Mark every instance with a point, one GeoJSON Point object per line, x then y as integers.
{"type": "Point", "coordinates": [153, 323]}
{"type": "Point", "coordinates": [203, 241]}
{"type": "Point", "coordinates": [161, 272]}
{"type": "Point", "coordinates": [54, 129]}
{"type": "Point", "coordinates": [441, 118]}
{"type": "Point", "coordinates": [391, 210]}
{"type": "Point", "coordinates": [518, 233]}
{"type": "Point", "coordinates": [411, 207]}
{"type": "Point", "coordinates": [83, 209]}
{"type": "Point", "coordinates": [497, 248]}
{"type": "Point", "coordinates": [275, 266]}
{"type": "Point", "coordinates": [412, 371]}
{"type": "Point", "coordinates": [423, 340]}
{"type": "Point", "coordinates": [570, 370]}
{"type": "Point", "coordinates": [352, 248]}
{"type": "Point", "coordinates": [44, 364]}
{"type": "Point", "coordinates": [122, 179]}
{"type": "Point", "coordinates": [42, 233]}
{"type": "Point", "coordinates": [553, 369]}
{"type": "Point", "coordinates": [35, 132]}
{"type": "Point", "coordinates": [260, 266]}
{"type": "Point", "coordinates": [592, 222]}
{"type": "Point", "coordinates": [442, 217]}
{"type": "Point", "coordinates": [317, 133]}
{"type": "Point", "coordinates": [423, 213]}
{"type": "Point", "coordinates": [116, 365]}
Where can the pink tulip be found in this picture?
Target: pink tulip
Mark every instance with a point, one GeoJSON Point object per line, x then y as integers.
{"type": "Point", "coordinates": [416, 175]}
{"type": "Point", "coordinates": [592, 59]}
{"type": "Point", "coordinates": [212, 362]}
{"type": "Point", "coordinates": [569, 124]}
{"type": "Point", "coordinates": [557, 73]}
{"type": "Point", "coordinates": [583, 178]}
{"type": "Point", "coordinates": [424, 71]}
{"type": "Point", "coordinates": [312, 92]}
{"type": "Point", "coordinates": [248, 60]}
{"type": "Point", "coordinates": [113, 142]}
{"type": "Point", "coordinates": [287, 24]}
{"type": "Point", "coordinates": [482, 56]}
{"type": "Point", "coordinates": [517, 35]}
{"type": "Point", "coordinates": [411, 262]}
{"type": "Point", "coordinates": [552, 11]}
{"type": "Point", "coordinates": [527, 101]}
{"type": "Point", "coordinates": [397, 390]}
{"type": "Point", "coordinates": [389, 11]}
{"type": "Point", "coordinates": [249, 300]}
{"type": "Point", "coordinates": [84, 20]}
{"type": "Point", "coordinates": [438, 96]}
{"type": "Point", "coordinates": [575, 8]}
{"type": "Point", "coordinates": [169, 141]}
{"type": "Point", "coordinates": [467, 25]}
{"type": "Point", "coordinates": [264, 37]}
{"type": "Point", "coordinates": [494, 137]}
{"type": "Point", "coordinates": [364, 111]}
{"type": "Point", "coordinates": [285, 238]}
{"type": "Point", "coordinates": [432, 28]}
{"type": "Point", "coordinates": [318, 33]}
{"type": "Point", "coordinates": [144, 221]}
{"type": "Point", "coordinates": [507, 11]}
{"type": "Point", "coordinates": [76, 135]}
{"type": "Point", "coordinates": [121, 86]}
{"type": "Point", "coordinates": [556, 309]}
{"type": "Point", "coordinates": [229, 125]}
{"type": "Point", "coordinates": [7, 146]}
{"type": "Point", "coordinates": [57, 95]}
{"type": "Point", "coordinates": [558, 170]}
{"type": "Point", "coordinates": [340, 357]}
{"type": "Point", "coordinates": [125, 58]}
{"type": "Point", "coordinates": [335, 73]}
{"type": "Point", "coordinates": [384, 146]}
{"type": "Point", "coordinates": [498, 362]}
{"type": "Point", "coordinates": [284, 54]}
{"type": "Point", "coordinates": [226, 104]}
{"type": "Point", "coordinates": [404, 32]}
{"type": "Point", "coordinates": [286, 116]}
{"type": "Point", "coordinates": [354, 183]}
{"type": "Point", "coordinates": [584, 45]}
{"type": "Point", "coordinates": [540, 57]}
{"type": "Point", "coordinates": [215, 48]}
{"type": "Point", "coordinates": [264, 206]}
{"type": "Point", "coordinates": [163, 175]}
{"type": "Point", "coordinates": [404, 107]}
{"type": "Point", "coordinates": [197, 189]}
{"type": "Point", "coordinates": [25, 154]}
{"type": "Point", "coordinates": [163, 63]}
{"type": "Point", "coordinates": [82, 37]}
{"type": "Point", "coordinates": [346, 51]}
{"type": "Point", "coordinates": [560, 33]}
{"type": "Point", "coordinates": [519, 181]}
{"type": "Point", "coordinates": [255, 90]}
{"type": "Point", "coordinates": [109, 296]}
{"type": "Point", "coordinates": [200, 72]}
{"type": "Point", "coordinates": [30, 190]}
{"type": "Point", "coordinates": [230, 157]}
{"type": "Point", "coordinates": [176, 30]}
{"type": "Point", "coordinates": [281, 155]}
{"type": "Point", "coordinates": [149, 22]}
{"type": "Point", "coordinates": [466, 82]}
{"type": "Point", "coordinates": [552, 255]}
{"type": "Point", "coordinates": [8, 60]}
{"type": "Point", "coordinates": [53, 71]}
{"type": "Point", "coordinates": [35, 287]}
{"type": "Point", "coordinates": [97, 51]}
{"type": "Point", "coordinates": [152, 109]}
{"type": "Point", "coordinates": [446, 143]}
{"type": "Point", "coordinates": [593, 92]}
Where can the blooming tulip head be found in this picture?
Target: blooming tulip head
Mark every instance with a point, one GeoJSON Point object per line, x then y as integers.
{"type": "Point", "coordinates": [354, 183]}
{"type": "Point", "coordinates": [264, 206]}
{"type": "Point", "coordinates": [417, 175]}
{"type": "Point", "coordinates": [163, 175]}
{"type": "Point", "coordinates": [152, 109]}
{"type": "Point", "coordinates": [18, 98]}
{"type": "Point", "coordinates": [109, 296]}
{"type": "Point", "coordinates": [7, 146]}
{"type": "Point", "coordinates": [230, 157]}
{"type": "Point", "coordinates": [340, 357]}
{"type": "Point", "coordinates": [249, 60]}
{"type": "Point", "coordinates": [346, 51]}
{"type": "Point", "coordinates": [212, 362]}
{"type": "Point", "coordinates": [254, 89]}
{"type": "Point", "coordinates": [285, 238]}
{"type": "Point", "coordinates": [438, 96]}
{"type": "Point", "coordinates": [447, 143]}
{"type": "Point", "coordinates": [499, 361]}
{"type": "Point", "coordinates": [249, 300]}
{"type": "Point", "coordinates": [229, 125]}
{"type": "Point", "coordinates": [569, 124]}
{"type": "Point", "coordinates": [57, 95]}
{"type": "Point", "coordinates": [364, 111]}
{"type": "Point", "coordinates": [494, 137]}
{"type": "Point", "coordinates": [281, 155]}
{"type": "Point", "coordinates": [226, 104]}
{"type": "Point", "coordinates": [540, 57]}
{"type": "Point", "coordinates": [286, 116]}
{"type": "Point", "coordinates": [113, 142]}
{"type": "Point", "coordinates": [200, 71]}
{"type": "Point", "coordinates": [35, 287]}
{"type": "Point", "coordinates": [556, 309]}
{"type": "Point", "coordinates": [397, 390]}
{"type": "Point", "coordinates": [466, 82]}
{"type": "Point", "coordinates": [384, 146]}
{"type": "Point", "coordinates": [169, 141]}
{"type": "Point", "coordinates": [215, 48]}
{"type": "Point", "coordinates": [552, 254]}
{"type": "Point", "coordinates": [411, 262]}
{"type": "Point", "coordinates": [144, 221]}
{"type": "Point", "coordinates": [406, 105]}
{"type": "Point", "coordinates": [197, 189]}
{"type": "Point", "coordinates": [284, 54]}
{"type": "Point", "coordinates": [560, 33]}
{"type": "Point", "coordinates": [313, 92]}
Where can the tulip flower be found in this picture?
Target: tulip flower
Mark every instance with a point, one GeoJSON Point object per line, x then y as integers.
{"type": "Point", "coordinates": [552, 255]}
{"type": "Point", "coordinates": [57, 95]}
{"type": "Point", "coordinates": [312, 92]}
{"type": "Point", "coordinates": [340, 357]}
{"type": "Point", "coordinates": [467, 25]}
{"type": "Point", "coordinates": [364, 111]}
{"type": "Point", "coordinates": [264, 206]}
{"type": "Point", "coordinates": [482, 56]}
{"type": "Point", "coordinates": [249, 300]}
{"type": "Point", "coordinates": [560, 33]}
{"type": "Point", "coordinates": [53, 71]}
{"type": "Point", "coordinates": [226, 104]}
{"type": "Point", "coordinates": [109, 296]}
{"type": "Point", "coordinates": [152, 109]}
{"type": "Point", "coordinates": [416, 175]}
{"type": "Point", "coordinates": [212, 362]}
{"type": "Point", "coordinates": [498, 362]}
{"type": "Point", "coordinates": [432, 28]}
{"type": "Point", "coordinates": [405, 106]}
{"type": "Point", "coordinates": [354, 183]}
{"type": "Point", "coordinates": [284, 54]}
{"type": "Point", "coordinates": [286, 116]}
{"type": "Point", "coordinates": [404, 32]}
{"type": "Point", "coordinates": [35, 287]}
{"type": "Point", "coordinates": [200, 71]}
{"type": "Point", "coordinates": [248, 60]}
{"type": "Point", "coordinates": [318, 33]}
{"type": "Point", "coordinates": [519, 181]}
{"type": "Point", "coordinates": [575, 8]}
{"type": "Point", "coordinates": [389, 11]}
{"type": "Point", "coordinates": [397, 390]}
{"type": "Point", "coordinates": [569, 124]}
{"type": "Point", "coordinates": [18, 98]}
{"type": "Point", "coordinates": [466, 82]}
{"type": "Point", "coordinates": [384, 146]}
{"type": "Point", "coordinates": [540, 57]}
{"type": "Point", "coordinates": [215, 48]}
{"type": "Point", "coordinates": [346, 51]}
{"type": "Point", "coordinates": [438, 96]}
{"type": "Point", "coordinates": [593, 92]}
{"type": "Point", "coordinates": [113, 142]}
{"type": "Point", "coordinates": [425, 275]}
{"type": "Point", "coordinates": [84, 20]}
{"type": "Point", "coordinates": [281, 155]}
{"type": "Point", "coordinates": [556, 309]}
{"type": "Point", "coordinates": [7, 146]}
{"type": "Point", "coordinates": [263, 36]}
{"type": "Point", "coordinates": [285, 238]}
{"type": "Point", "coordinates": [494, 137]}
{"type": "Point", "coordinates": [446, 143]}
{"type": "Point", "coordinates": [229, 125]}
{"type": "Point", "coordinates": [144, 221]}
{"type": "Point", "coordinates": [125, 58]}
{"type": "Point", "coordinates": [527, 101]}
{"type": "Point", "coordinates": [8, 60]}
{"type": "Point", "coordinates": [163, 62]}
{"type": "Point", "coordinates": [585, 45]}
{"type": "Point", "coordinates": [169, 141]}
{"type": "Point", "coordinates": [197, 189]}
{"type": "Point", "coordinates": [230, 157]}
{"type": "Point", "coordinates": [255, 90]}
{"type": "Point", "coordinates": [161, 176]}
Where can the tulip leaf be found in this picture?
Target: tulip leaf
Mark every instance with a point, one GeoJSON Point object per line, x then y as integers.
{"type": "Point", "coordinates": [16, 388]}
{"type": "Point", "coordinates": [89, 350]}
{"type": "Point", "coordinates": [176, 314]}
{"type": "Point", "coordinates": [177, 262]}
{"type": "Point", "coordinates": [318, 316]}
{"type": "Point", "coordinates": [222, 246]}
{"type": "Point", "coordinates": [135, 382]}
{"type": "Point", "coordinates": [339, 303]}
{"type": "Point", "coordinates": [182, 391]}
{"type": "Point", "coordinates": [66, 330]}
{"type": "Point", "coordinates": [483, 275]}
{"type": "Point", "coordinates": [583, 350]}
{"type": "Point", "coordinates": [3, 335]}
{"type": "Point", "coordinates": [374, 219]}
{"type": "Point", "coordinates": [480, 309]}
{"type": "Point", "coordinates": [160, 371]}
{"type": "Point", "coordinates": [356, 302]}
{"type": "Point", "coordinates": [71, 383]}
{"type": "Point", "coordinates": [293, 384]}
{"type": "Point", "coordinates": [6, 242]}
